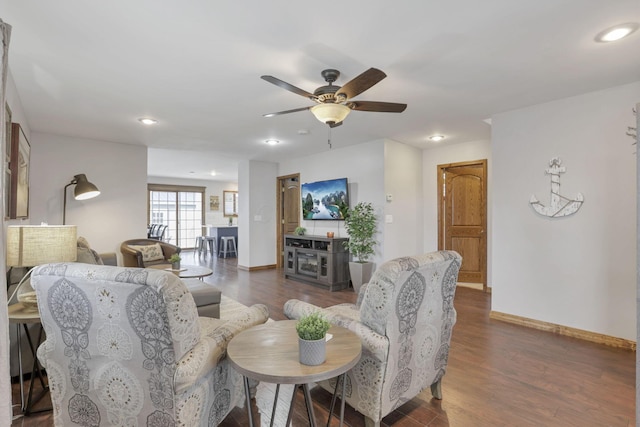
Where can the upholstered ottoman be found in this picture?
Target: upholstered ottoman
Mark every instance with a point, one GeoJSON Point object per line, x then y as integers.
{"type": "Point", "coordinates": [207, 297]}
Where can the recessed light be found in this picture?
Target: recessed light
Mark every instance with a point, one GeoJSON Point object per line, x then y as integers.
{"type": "Point", "coordinates": [272, 141]}
{"type": "Point", "coordinates": [147, 121]}
{"type": "Point", "coordinates": [213, 173]}
{"type": "Point", "coordinates": [617, 32]}
{"type": "Point", "coordinates": [436, 138]}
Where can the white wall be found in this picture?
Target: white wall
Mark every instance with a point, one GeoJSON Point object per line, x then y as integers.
{"type": "Point", "coordinates": [118, 170]}
{"type": "Point", "coordinates": [363, 166]}
{"type": "Point", "coordinates": [213, 188]}
{"type": "Point", "coordinates": [257, 217]}
{"type": "Point", "coordinates": [403, 182]}
{"type": "Point", "coordinates": [445, 154]}
{"type": "Point", "coordinates": [577, 271]}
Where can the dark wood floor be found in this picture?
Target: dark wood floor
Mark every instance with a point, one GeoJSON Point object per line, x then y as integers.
{"type": "Point", "coordinates": [498, 375]}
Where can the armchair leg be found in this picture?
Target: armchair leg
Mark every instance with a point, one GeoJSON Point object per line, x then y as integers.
{"type": "Point", "coordinates": [436, 389]}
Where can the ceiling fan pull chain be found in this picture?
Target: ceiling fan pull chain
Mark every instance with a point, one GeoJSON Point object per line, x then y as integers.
{"type": "Point", "coordinates": [329, 138]}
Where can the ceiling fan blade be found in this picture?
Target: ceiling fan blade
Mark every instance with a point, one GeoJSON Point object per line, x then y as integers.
{"type": "Point", "coordinates": [287, 111]}
{"type": "Point", "coordinates": [359, 84]}
{"type": "Point", "coordinates": [382, 107]}
{"type": "Point", "coordinates": [289, 87]}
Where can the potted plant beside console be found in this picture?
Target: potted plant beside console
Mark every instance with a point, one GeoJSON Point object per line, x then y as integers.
{"type": "Point", "coordinates": [312, 343]}
{"type": "Point", "coordinates": [360, 223]}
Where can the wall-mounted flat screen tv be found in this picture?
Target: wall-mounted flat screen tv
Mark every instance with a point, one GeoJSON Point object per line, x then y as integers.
{"type": "Point", "coordinates": [325, 199]}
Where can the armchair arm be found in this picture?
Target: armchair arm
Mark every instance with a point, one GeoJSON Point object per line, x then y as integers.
{"type": "Point", "coordinates": [168, 249]}
{"type": "Point", "coordinates": [215, 334]}
{"type": "Point", "coordinates": [361, 293]}
{"type": "Point", "coordinates": [203, 357]}
{"type": "Point", "coordinates": [131, 257]}
{"type": "Point", "coordinates": [375, 344]}
{"type": "Point", "coordinates": [257, 314]}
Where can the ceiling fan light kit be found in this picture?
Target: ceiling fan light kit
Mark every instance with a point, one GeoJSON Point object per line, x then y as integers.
{"type": "Point", "coordinates": [330, 113]}
{"type": "Point", "coordinates": [334, 102]}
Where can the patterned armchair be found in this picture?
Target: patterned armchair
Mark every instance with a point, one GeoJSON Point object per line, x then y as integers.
{"type": "Point", "coordinates": [125, 346]}
{"type": "Point", "coordinates": [404, 318]}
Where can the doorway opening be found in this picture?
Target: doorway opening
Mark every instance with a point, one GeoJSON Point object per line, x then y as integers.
{"type": "Point", "coordinates": [462, 217]}
{"type": "Point", "coordinates": [288, 217]}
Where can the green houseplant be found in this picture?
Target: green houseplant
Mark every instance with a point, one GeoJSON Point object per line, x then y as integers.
{"type": "Point", "coordinates": [361, 225]}
{"type": "Point", "coordinates": [300, 231]}
{"type": "Point", "coordinates": [312, 345]}
{"type": "Point", "coordinates": [175, 261]}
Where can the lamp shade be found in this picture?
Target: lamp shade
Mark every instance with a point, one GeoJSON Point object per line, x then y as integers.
{"type": "Point", "coordinates": [84, 189]}
{"type": "Point", "coordinates": [31, 245]}
{"type": "Point", "coordinates": [330, 113]}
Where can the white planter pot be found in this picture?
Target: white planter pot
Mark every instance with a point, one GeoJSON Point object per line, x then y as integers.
{"type": "Point", "coordinates": [360, 273]}
{"type": "Point", "coordinates": [312, 352]}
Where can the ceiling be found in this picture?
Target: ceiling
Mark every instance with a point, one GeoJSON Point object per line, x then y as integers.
{"type": "Point", "coordinates": [91, 69]}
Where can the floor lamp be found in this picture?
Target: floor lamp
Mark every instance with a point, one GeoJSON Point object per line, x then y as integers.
{"type": "Point", "coordinates": [84, 190]}
{"type": "Point", "coordinates": [29, 246]}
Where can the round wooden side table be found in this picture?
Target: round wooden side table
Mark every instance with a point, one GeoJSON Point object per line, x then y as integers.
{"type": "Point", "coordinates": [269, 353]}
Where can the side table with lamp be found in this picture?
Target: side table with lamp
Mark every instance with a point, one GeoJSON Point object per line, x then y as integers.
{"type": "Point", "coordinates": [29, 246]}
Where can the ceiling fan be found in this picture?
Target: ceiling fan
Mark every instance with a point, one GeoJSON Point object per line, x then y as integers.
{"type": "Point", "coordinates": [334, 103]}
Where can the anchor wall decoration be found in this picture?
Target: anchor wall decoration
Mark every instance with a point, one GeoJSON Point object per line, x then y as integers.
{"type": "Point", "coordinates": [559, 205]}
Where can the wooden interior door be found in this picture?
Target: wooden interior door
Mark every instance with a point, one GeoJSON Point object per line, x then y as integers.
{"type": "Point", "coordinates": [288, 210]}
{"type": "Point", "coordinates": [462, 217]}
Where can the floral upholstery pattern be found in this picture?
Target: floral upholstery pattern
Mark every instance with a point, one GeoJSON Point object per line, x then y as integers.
{"type": "Point", "coordinates": [404, 317]}
{"type": "Point", "coordinates": [125, 347]}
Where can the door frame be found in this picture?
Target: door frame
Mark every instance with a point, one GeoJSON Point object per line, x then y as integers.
{"type": "Point", "coordinates": [441, 201]}
{"type": "Point", "coordinates": [280, 218]}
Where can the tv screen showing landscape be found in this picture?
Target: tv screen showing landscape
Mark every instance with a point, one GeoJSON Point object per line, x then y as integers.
{"type": "Point", "coordinates": [325, 199]}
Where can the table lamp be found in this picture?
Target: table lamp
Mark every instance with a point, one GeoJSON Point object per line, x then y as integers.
{"type": "Point", "coordinates": [33, 245]}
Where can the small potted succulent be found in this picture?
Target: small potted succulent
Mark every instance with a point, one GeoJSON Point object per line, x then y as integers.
{"type": "Point", "coordinates": [175, 261]}
{"type": "Point", "coordinates": [312, 330]}
{"type": "Point", "coordinates": [300, 231]}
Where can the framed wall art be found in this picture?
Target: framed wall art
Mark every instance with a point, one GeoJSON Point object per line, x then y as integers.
{"type": "Point", "coordinates": [20, 154]}
{"type": "Point", "coordinates": [214, 203]}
